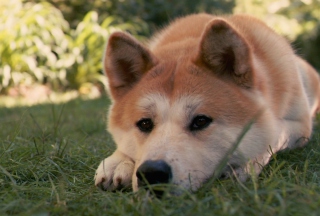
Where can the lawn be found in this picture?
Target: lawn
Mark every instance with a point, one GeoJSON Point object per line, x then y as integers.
{"type": "Point", "coordinates": [49, 153]}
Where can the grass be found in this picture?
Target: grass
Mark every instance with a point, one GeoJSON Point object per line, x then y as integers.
{"type": "Point", "coordinates": [49, 153]}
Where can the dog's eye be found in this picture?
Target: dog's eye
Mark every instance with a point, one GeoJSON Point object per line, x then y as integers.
{"type": "Point", "coordinates": [145, 125]}
{"type": "Point", "coordinates": [200, 122]}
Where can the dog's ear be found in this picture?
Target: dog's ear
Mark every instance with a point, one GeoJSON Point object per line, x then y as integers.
{"type": "Point", "coordinates": [125, 61]}
{"type": "Point", "coordinates": [225, 52]}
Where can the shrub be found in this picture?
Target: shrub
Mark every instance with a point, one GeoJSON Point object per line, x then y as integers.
{"type": "Point", "coordinates": [38, 46]}
{"type": "Point", "coordinates": [32, 38]}
{"type": "Point", "coordinates": [89, 39]}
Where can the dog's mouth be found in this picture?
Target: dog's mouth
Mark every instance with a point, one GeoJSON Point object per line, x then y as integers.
{"type": "Point", "coordinates": [155, 175]}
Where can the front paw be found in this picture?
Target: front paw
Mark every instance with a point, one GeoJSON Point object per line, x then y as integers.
{"type": "Point", "coordinates": [113, 175]}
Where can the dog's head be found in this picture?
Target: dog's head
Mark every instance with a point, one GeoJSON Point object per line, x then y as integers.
{"type": "Point", "coordinates": [178, 109]}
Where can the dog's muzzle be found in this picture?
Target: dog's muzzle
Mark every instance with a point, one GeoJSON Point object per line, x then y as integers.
{"type": "Point", "coordinates": [154, 172]}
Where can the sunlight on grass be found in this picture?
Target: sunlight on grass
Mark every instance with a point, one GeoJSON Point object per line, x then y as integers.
{"type": "Point", "coordinates": [47, 98]}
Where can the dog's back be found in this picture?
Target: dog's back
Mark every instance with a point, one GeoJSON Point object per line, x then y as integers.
{"type": "Point", "coordinates": [311, 85]}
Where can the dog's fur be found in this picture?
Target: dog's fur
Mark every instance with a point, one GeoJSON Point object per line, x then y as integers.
{"type": "Point", "coordinates": [234, 70]}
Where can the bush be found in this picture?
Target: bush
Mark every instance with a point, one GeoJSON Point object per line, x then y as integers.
{"type": "Point", "coordinates": [297, 20]}
{"type": "Point", "coordinates": [38, 46]}
{"type": "Point", "coordinates": [155, 13]}
{"type": "Point", "coordinates": [89, 39]}
{"type": "Point", "coordinates": [32, 37]}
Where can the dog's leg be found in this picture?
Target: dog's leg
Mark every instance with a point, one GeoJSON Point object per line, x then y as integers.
{"type": "Point", "coordinates": [114, 172]}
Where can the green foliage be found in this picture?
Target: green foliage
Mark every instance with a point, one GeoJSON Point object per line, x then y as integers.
{"type": "Point", "coordinates": [32, 37]}
{"type": "Point", "coordinates": [49, 153]}
{"type": "Point", "coordinates": [60, 43]}
{"type": "Point", "coordinates": [297, 20]}
{"type": "Point", "coordinates": [155, 13]}
{"type": "Point", "coordinates": [37, 46]}
{"type": "Point", "coordinates": [307, 14]}
{"type": "Point", "coordinates": [89, 39]}
{"type": "Point", "coordinates": [158, 13]}
{"type": "Point", "coordinates": [268, 11]}
{"type": "Point", "coordinates": [308, 46]}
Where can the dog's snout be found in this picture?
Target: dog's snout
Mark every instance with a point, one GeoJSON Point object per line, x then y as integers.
{"type": "Point", "coordinates": [154, 172]}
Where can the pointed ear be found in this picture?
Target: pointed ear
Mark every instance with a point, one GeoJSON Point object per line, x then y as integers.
{"type": "Point", "coordinates": [225, 52]}
{"type": "Point", "coordinates": [125, 62]}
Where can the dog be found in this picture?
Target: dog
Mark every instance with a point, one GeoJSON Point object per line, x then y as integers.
{"type": "Point", "coordinates": [208, 96]}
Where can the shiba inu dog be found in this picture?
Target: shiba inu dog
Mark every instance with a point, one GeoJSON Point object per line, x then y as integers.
{"type": "Point", "coordinates": [180, 104]}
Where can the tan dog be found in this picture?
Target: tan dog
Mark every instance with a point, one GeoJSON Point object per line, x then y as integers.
{"type": "Point", "coordinates": [181, 104]}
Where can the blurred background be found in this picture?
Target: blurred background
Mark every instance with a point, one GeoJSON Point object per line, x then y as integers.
{"type": "Point", "coordinates": [52, 48]}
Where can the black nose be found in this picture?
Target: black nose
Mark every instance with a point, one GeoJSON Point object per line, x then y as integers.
{"type": "Point", "coordinates": [154, 172]}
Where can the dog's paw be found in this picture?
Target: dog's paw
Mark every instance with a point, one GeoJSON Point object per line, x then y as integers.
{"type": "Point", "coordinates": [113, 175]}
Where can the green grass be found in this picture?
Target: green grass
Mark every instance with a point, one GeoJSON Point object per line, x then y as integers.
{"type": "Point", "coordinates": [49, 153]}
